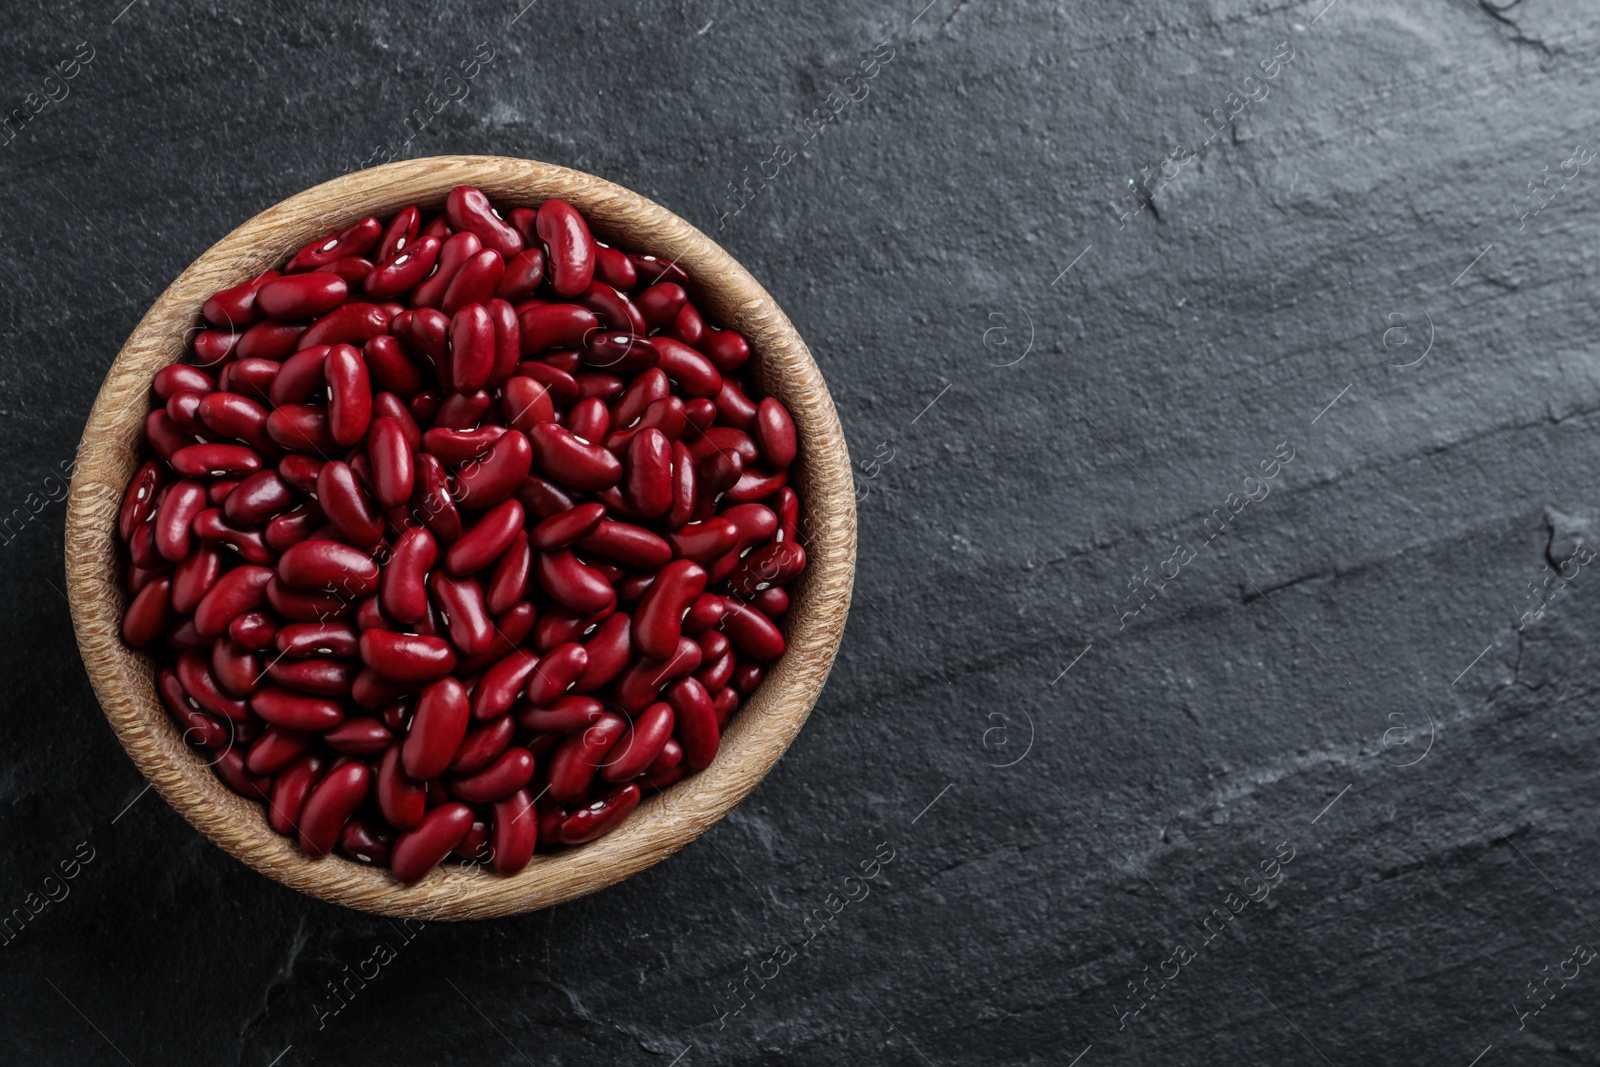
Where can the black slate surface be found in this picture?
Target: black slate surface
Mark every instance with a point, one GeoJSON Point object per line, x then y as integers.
{"type": "Point", "coordinates": [1066, 322]}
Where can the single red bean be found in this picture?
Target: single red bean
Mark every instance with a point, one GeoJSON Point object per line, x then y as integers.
{"type": "Point", "coordinates": [407, 658]}
{"type": "Point", "coordinates": [639, 685]}
{"type": "Point", "coordinates": [561, 385]}
{"type": "Point", "coordinates": [294, 525]}
{"type": "Point", "coordinates": [149, 613]}
{"type": "Point", "coordinates": [437, 730]}
{"type": "Point", "coordinates": [572, 582]}
{"type": "Point", "coordinates": [403, 592]}
{"type": "Point", "coordinates": [614, 267]}
{"type": "Point", "coordinates": [275, 749]}
{"type": "Point", "coordinates": [355, 240]}
{"type": "Point", "coordinates": [363, 736]}
{"type": "Point", "coordinates": [332, 565]}
{"type": "Point", "coordinates": [214, 347]}
{"type": "Point", "coordinates": [774, 564]}
{"type": "Point", "coordinates": [302, 296]}
{"type": "Point", "coordinates": [418, 851]}
{"type": "Point", "coordinates": [475, 283]}
{"type": "Point", "coordinates": [573, 764]}
{"type": "Point", "coordinates": [296, 711]}
{"type": "Point", "coordinates": [507, 774]}
{"type": "Point", "coordinates": [257, 498]}
{"type": "Point", "coordinates": [658, 622]}
{"type": "Point", "coordinates": [685, 488]}
{"type": "Point", "coordinates": [642, 744]}
{"type": "Point", "coordinates": [184, 500]}
{"type": "Point", "coordinates": [236, 592]}
{"type": "Point", "coordinates": [290, 788]}
{"type": "Point", "coordinates": [497, 689]}
{"type": "Point", "coordinates": [365, 842]}
{"type": "Point", "coordinates": [756, 484]}
{"type": "Point", "coordinates": [235, 308]}
{"type": "Point", "coordinates": [756, 524]}
{"type": "Point", "coordinates": [306, 606]}
{"type": "Point", "coordinates": [554, 674]}
{"type": "Point", "coordinates": [349, 394]}
{"type": "Point", "coordinates": [697, 729]}
{"type": "Point", "coordinates": [495, 476]}
{"type": "Point", "coordinates": [331, 803]}
{"type": "Point", "coordinates": [509, 582]}
{"type": "Point", "coordinates": [705, 542]}
{"type": "Point", "coordinates": [351, 324]}
{"type": "Point", "coordinates": [319, 677]}
{"type": "Point", "coordinates": [472, 348]}
{"type": "Point", "coordinates": [571, 251]}
{"type": "Point", "coordinates": [660, 304]}
{"type": "Point", "coordinates": [688, 327]}
{"type": "Point", "coordinates": [619, 353]}
{"type": "Point", "coordinates": [254, 630]}
{"type": "Point", "coordinates": [469, 209]}
{"type": "Point", "coordinates": [609, 651]}
{"type": "Point", "coordinates": [717, 669]}
{"type": "Point", "coordinates": [393, 474]}
{"type": "Point", "coordinates": [693, 372]}
{"type": "Point", "coordinates": [550, 326]}
{"type": "Point", "coordinates": [526, 403]}
{"type": "Point", "coordinates": [399, 275]}
{"type": "Point", "coordinates": [347, 504]}
{"type": "Point", "coordinates": [775, 433]}
{"type": "Point", "coordinates": [193, 578]}
{"type": "Point", "coordinates": [482, 744]}
{"type": "Point", "coordinates": [267, 339]}
{"type": "Point", "coordinates": [391, 369]}
{"type": "Point", "coordinates": [236, 668]}
{"type": "Point", "coordinates": [460, 601]}
{"type": "Point", "coordinates": [164, 434]}
{"type": "Point", "coordinates": [614, 310]}
{"type": "Point", "coordinates": [568, 527]}
{"type": "Point", "coordinates": [647, 474]}
{"type": "Point", "coordinates": [524, 272]}
{"type": "Point", "coordinates": [601, 816]}
{"type": "Point", "coordinates": [727, 349]}
{"type": "Point", "coordinates": [570, 461]}
{"type": "Point", "coordinates": [181, 378]}
{"type": "Point", "coordinates": [735, 408]}
{"type": "Point", "coordinates": [304, 639]}
{"type": "Point", "coordinates": [485, 542]}
{"type": "Point", "coordinates": [752, 632]}
{"type": "Point", "coordinates": [399, 234]}
{"type": "Point", "coordinates": [140, 500]}
{"type": "Point", "coordinates": [431, 501]}
{"type": "Point", "coordinates": [515, 832]}
{"type": "Point", "coordinates": [565, 716]}
{"type": "Point", "coordinates": [726, 701]}
{"type": "Point", "coordinates": [210, 526]}
{"type": "Point", "coordinates": [301, 428]}
{"type": "Point", "coordinates": [401, 800]}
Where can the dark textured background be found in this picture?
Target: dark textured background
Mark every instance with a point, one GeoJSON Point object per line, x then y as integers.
{"type": "Point", "coordinates": [1350, 640]}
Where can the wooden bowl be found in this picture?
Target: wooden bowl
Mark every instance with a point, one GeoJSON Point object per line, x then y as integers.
{"type": "Point", "coordinates": [760, 731]}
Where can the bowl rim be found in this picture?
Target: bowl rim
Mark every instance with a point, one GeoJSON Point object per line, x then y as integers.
{"type": "Point", "coordinates": [759, 733]}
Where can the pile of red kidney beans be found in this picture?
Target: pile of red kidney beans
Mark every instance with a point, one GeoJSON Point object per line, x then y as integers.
{"type": "Point", "coordinates": [461, 532]}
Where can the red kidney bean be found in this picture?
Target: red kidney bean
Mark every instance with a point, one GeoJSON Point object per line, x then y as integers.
{"type": "Point", "coordinates": [275, 749]}
{"type": "Point", "coordinates": [349, 394]}
{"type": "Point", "coordinates": [391, 369]}
{"type": "Point", "coordinates": [717, 670]}
{"type": "Point", "coordinates": [184, 500]}
{"type": "Point", "coordinates": [752, 632]}
{"type": "Point", "coordinates": [181, 378]}
{"type": "Point", "coordinates": [460, 601]}
{"type": "Point", "coordinates": [562, 386]}
{"type": "Point", "coordinates": [588, 420]}
{"type": "Point", "coordinates": [418, 851]}
{"type": "Point", "coordinates": [688, 327]}
{"type": "Point", "coordinates": [290, 788]}
{"type": "Point", "coordinates": [487, 541]}
{"type": "Point", "coordinates": [407, 658]}
{"type": "Point", "coordinates": [554, 674]}
{"type": "Point", "coordinates": [453, 254]}
{"type": "Point", "coordinates": [214, 347]}
{"type": "Point", "coordinates": [389, 406]}
{"type": "Point", "coordinates": [524, 272]}
{"type": "Point", "coordinates": [570, 249]}
{"type": "Point", "coordinates": [306, 606]}
{"type": "Point", "coordinates": [399, 234]}
{"type": "Point", "coordinates": [139, 503]}
{"type": "Point", "coordinates": [509, 582]}
{"type": "Point", "coordinates": [364, 736]}
{"type": "Point", "coordinates": [498, 687]}
{"type": "Point", "coordinates": [714, 644]}
{"type": "Point", "coordinates": [475, 283]}
{"type": "Point", "coordinates": [284, 707]}
{"type": "Point", "coordinates": [614, 310]}
{"type": "Point", "coordinates": [149, 613]}
{"type": "Point", "coordinates": [455, 446]}
{"type": "Point", "coordinates": [661, 303]}
{"type": "Point", "coordinates": [331, 803]}
{"type": "Point", "coordinates": [697, 729]}
{"type": "Point", "coordinates": [482, 744]}
{"type": "Point", "coordinates": [507, 774]}
{"type": "Point", "coordinates": [293, 526]}
{"type": "Point", "coordinates": [347, 504]}
{"type": "Point", "coordinates": [183, 408]}
{"type": "Point", "coordinates": [726, 702]}
{"type": "Point", "coordinates": [573, 764]}
{"type": "Point", "coordinates": [198, 727]}
{"type": "Point", "coordinates": [164, 434]}
{"type": "Point", "coordinates": [619, 353]}
{"type": "Point", "coordinates": [210, 526]}
{"type": "Point", "coordinates": [437, 730]}
{"type": "Point", "coordinates": [403, 592]}
{"type": "Point", "coordinates": [572, 462]}
{"type": "Point", "coordinates": [566, 528]}
{"type": "Point", "coordinates": [301, 428]}
{"type": "Point", "coordinates": [726, 349]}
{"type": "Point", "coordinates": [236, 668]}
{"type": "Point", "coordinates": [550, 326]}
{"type": "Point", "coordinates": [647, 474]}
{"type": "Point", "coordinates": [756, 484]}
{"type": "Point", "coordinates": [236, 592]}
{"type": "Point", "coordinates": [601, 816]}
{"type": "Point", "coordinates": [685, 488]}
{"type": "Point", "coordinates": [614, 268]}
{"type": "Point", "coordinates": [355, 240]}
{"type": "Point", "coordinates": [693, 373]}
{"type": "Point", "coordinates": [319, 677]}
{"type": "Point", "coordinates": [402, 801]}
{"type": "Point", "coordinates": [641, 682]}
{"type": "Point", "coordinates": [460, 411]}
{"type": "Point", "coordinates": [526, 403]}
{"type": "Point", "coordinates": [705, 542]}
{"type": "Point", "coordinates": [572, 582]}
{"type": "Point", "coordinates": [658, 622]}
{"type": "Point", "coordinates": [352, 324]}
{"type": "Point", "coordinates": [495, 476]}
{"type": "Point", "coordinates": [438, 226]}
{"type": "Point", "coordinates": [331, 565]}
{"type": "Point", "coordinates": [304, 639]}
{"type": "Point", "coordinates": [256, 499]}
{"type": "Point", "coordinates": [302, 296]}
{"type": "Point", "coordinates": [254, 630]}
{"type": "Point", "coordinates": [469, 210]}
{"type": "Point", "coordinates": [774, 564]}
{"type": "Point", "coordinates": [373, 690]}
{"type": "Point", "coordinates": [393, 475]}
{"type": "Point", "coordinates": [250, 378]}
{"type": "Point", "coordinates": [431, 501]}
{"type": "Point", "coordinates": [514, 833]}
{"type": "Point", "coordinates": [236, 308]}
{"type": "Point", "coordinates": [365, 842]}
{"type": "Point", "coordinates": [735, 408]}
{"type": "Point", "coordinates": [267, 339]}
{"type": "Point", "coordinates": [193, 578]}
{"type": "Point", "coordinates": [642, 744]}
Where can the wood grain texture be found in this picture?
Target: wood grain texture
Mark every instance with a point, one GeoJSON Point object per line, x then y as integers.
{"type": "Point", "coordinates": [759, 733]}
